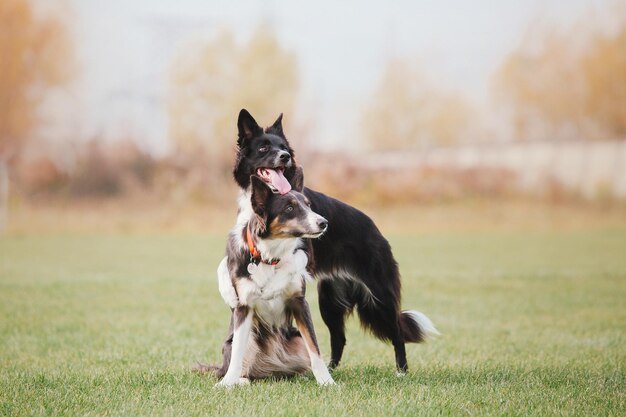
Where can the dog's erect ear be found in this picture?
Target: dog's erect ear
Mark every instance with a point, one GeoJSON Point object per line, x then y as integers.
{"type": "Point", "coordinates": [277, 127]}
{"type": "Point", "coordinates": [261, 193]}
{"type": "Point", "coordinates": [247, 126]}
{"type": "Point", "coordinates": [297, 181]}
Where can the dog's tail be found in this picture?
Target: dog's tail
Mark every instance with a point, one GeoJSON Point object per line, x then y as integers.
{"type": "Point", "coordinates": [202, 368]}
{"type": "Point", "coordinates": [416, 327]}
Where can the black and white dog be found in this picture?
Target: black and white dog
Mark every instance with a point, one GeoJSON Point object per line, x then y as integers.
{"type": "Point", "coordinates": [352, 261]}
{"type": "Point", "coordinates": [267, 267]}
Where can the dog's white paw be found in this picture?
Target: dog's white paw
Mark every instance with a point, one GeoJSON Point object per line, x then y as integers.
{"type": "Point", "coordinates": [224, 383]}
{"type": "Point", "coordinates": [327, 383]}
{"type": "Point", "coordinates": [325, 380]}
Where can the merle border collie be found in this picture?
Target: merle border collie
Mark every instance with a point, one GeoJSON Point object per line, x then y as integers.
{"type": "Point", "coordinates": [353, 262]}
{"type": "Point", "coordinates": [267, 266]}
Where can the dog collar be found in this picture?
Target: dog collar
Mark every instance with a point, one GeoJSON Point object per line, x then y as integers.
{"type": "Point", "coordinates": [255, 255]}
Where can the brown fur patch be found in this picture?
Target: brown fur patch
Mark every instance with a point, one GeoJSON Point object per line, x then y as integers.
{"type": "Point", "coordinates": [308, 337]}
{"type": "Point", "coordinates": [285, 229]}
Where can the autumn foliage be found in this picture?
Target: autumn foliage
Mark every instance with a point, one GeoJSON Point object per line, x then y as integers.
{"type": "Point", "coordinates": [566, 85]}
{"type": "Point", "coordinates": [212, 80]}
{"type": "Point", "coordinates": [604, 69]}
{"type": "Point", "coordinates": [406, 111]}
{"type": "Point", "coordinates": [35, 55]}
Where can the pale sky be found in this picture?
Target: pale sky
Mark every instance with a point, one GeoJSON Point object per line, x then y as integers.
{"type": "Point", "coordinates": [125, 47]}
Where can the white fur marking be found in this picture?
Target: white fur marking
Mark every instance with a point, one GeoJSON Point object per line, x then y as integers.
{"type": "Point", "coordinates": [243, 217]}
{"type": "Point", "coordinates": [345, 275]}
{"type": "Point", "coordinates": [240, 343]}
{"type": "Point", "coordinates": [225, 284]}
{"type": "Point", "coordinates": [245, 208]}
{"type": "Point", "coordinates": [312, 218]}
{"type": "Point", "coordinates": [278, 248]}
{"type": "Point", "coordinates": [320, 371]}
{"type": "Point", "coordinates": [424, 323]}
{"type": "Point", "coordinates": [270, 285]}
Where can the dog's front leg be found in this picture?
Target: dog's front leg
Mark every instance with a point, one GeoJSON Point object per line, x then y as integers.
{"type": "Point", "coordinates": [302, 315]}
{"type": "Point", "coordinates": [242, 329]}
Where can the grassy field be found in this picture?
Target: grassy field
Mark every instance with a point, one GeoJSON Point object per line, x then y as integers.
{"type": "Point", "coordinates": [533, 323]}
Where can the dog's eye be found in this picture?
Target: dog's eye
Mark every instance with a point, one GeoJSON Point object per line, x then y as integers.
{"type": "Point", "coordinates": [264, 149]}
{"type": "Point", "coordinates": [288, 209]}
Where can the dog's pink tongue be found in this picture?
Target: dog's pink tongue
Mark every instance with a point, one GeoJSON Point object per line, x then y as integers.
{"type": "Point", "coordinates": [279, 181]}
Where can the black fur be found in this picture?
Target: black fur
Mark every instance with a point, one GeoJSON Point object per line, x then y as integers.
{"type": "Point", "coordinates": [354, 245]}
{"type": "Point", "coordinates": [251, 139]}
{"type": "Point", "coordinates": [353, 259]}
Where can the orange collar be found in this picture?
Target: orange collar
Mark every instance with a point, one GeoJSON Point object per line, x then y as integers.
{"type": "Point", "coordinates": [255, 255]}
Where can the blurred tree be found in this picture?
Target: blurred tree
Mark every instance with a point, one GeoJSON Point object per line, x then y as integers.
{"type": "Point", "coordinates": [211, 82]}
{"type": "Point", "coordinates": [405, 111]}
{"type": "Point", "coordinates": [542, 84]}
{"type": "Point", "coordinates": [453, 121]}
{"type": "Point", "coordinates": [566, 86]}
{"type": "Point", "coordinates": [396, 115]}
{"type": "Point", "coordinates": [604, 68]}
{"type": "Point", "coordinates": [35, 55]}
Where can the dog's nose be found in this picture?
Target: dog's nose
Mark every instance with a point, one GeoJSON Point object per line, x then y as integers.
{"type": "Point", "coordinates": [322, 224]}
{"type": "Point", "coordinates": [284, 157]}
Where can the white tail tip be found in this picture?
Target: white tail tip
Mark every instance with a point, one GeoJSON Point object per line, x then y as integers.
{"type": "Point", "coordinates": [424, 323]}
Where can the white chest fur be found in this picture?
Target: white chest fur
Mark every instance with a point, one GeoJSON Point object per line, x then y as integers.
{"type": "Point", "coordinates": [269, 286]}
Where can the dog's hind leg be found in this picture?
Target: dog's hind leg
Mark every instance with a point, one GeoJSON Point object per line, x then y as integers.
{"type": "Point", "coordinates": [334, 306]}
{"type": "Point", "coordinates": [384, 321]}
{"type": "Point", "coordinates": [226, 351]}
{"type": "Point", "coordinates": [398, 345]}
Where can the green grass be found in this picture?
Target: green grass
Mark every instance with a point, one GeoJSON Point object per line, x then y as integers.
{"type": "Point", "coordinates": [533, 324]}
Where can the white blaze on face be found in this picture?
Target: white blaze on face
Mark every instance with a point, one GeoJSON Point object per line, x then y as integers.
{"type": "Point", "coordinates": [313, 219]}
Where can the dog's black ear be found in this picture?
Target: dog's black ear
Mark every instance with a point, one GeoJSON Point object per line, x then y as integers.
{"type": "Point", "coordinates": [261, 193]}
{"type": "Point", "coordinates": [297, 181]}
{"type": "Point", "coordinates": [277, 127]}
{"type": "Point", "coordinates": [247, 126]}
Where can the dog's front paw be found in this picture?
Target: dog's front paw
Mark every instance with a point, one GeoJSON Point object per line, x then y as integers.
{"type": "Point", "coordinates": [327, 382]}
{"type": "Point", "coordinates": [226, 383]}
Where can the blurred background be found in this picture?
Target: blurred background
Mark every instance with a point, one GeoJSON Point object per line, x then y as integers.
{"type": "Point", "coordinates": [122, 115]}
